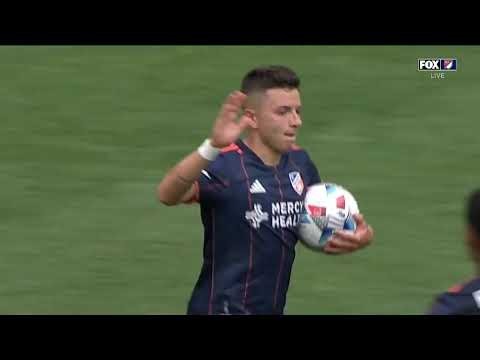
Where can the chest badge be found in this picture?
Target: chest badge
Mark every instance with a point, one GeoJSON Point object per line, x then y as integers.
{"type": "Point", "coordinates": [296, 181]}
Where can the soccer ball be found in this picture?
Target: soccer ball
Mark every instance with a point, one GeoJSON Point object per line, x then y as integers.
{"type": "Point", "coordinates": [327, 207]}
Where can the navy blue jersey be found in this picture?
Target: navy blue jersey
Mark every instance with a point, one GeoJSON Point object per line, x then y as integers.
{"type": "Point", "coordinates": [249, 212]}
{"type": "Point", "coordinates": [461, 299]}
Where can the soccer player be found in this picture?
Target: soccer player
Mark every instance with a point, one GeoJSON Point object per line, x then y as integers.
{"type": "Point", "coordinates": [251, 193]}
{"type": "Point", "coordinates": [464, 299]}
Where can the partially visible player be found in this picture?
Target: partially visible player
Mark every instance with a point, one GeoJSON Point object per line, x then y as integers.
{"type": "Point", "coordinates": [464, 299]}
{"type": "Point", "coordinates": [251, 194]}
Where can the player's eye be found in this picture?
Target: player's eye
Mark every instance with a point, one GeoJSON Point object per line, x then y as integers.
{"type": "Point", "coordinates": [299, 111]}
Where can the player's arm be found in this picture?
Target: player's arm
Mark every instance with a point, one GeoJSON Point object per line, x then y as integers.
{"type": "Point", "coordinates": [178, 185]}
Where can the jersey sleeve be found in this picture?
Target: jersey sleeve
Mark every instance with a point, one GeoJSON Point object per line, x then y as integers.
{"type": "Point", "coordinates": [212, 183]}
{"type": "Point", "coordinates": [312, 172]}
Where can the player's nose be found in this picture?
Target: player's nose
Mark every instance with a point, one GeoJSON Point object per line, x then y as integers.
{"type": "Point", "coordinates": [295, 120]}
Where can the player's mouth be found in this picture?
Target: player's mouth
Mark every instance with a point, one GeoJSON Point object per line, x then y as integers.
{"type": "Point", "coordinates": [290, 136]}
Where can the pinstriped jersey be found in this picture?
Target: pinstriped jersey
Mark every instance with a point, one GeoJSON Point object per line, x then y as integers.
{"type": "Point", "coordinates": [462, 299]}
{"type": "Point", "coordinates": [249, 211]}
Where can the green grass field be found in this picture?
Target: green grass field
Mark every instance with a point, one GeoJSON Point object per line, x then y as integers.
{"type": "Point", "coordinates": [86, 133]}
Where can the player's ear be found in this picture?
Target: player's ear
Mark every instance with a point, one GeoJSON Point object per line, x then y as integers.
{"type": "Point", "coordinates": [252, 119]}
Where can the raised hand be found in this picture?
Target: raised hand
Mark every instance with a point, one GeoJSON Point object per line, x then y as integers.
{"type": "Point", "coordinates": [228, 127]}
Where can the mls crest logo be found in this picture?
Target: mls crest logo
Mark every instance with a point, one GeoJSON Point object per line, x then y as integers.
{"type": "Point", "coordinates": [296, 181]}
{"type": "Point", "coordinates": [449, 64]}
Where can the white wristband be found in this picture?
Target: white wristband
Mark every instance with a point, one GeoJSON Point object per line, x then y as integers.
{"type": "Point", "coordinates": [207, 151]}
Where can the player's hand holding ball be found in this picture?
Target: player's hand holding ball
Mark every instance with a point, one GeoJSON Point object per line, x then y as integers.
{"type": "Point", "coordinates": [331, 221]}
{"type": "Point", "coordinates": [345, 241]}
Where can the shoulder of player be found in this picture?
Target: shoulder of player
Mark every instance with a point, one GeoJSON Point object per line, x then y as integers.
{"type": "Point", "coordinates": [234, 149]}
{"type": "Point", "coordinates": [466, 287]}
{"type": "Point", "coordinates": [457, 300]}
{"type": "Point", "coordinates": [224, 162]}
{"type": "Point", "coordinates": [471, 285]}
{"type": "Point", "coordinates": [298, 154]}
{"type": "Point", "coordinates": [449, 303]}
{"type": "Point", "coordinates": [227, 154]}
{"type": "Point", "coordinates": [231, 149]}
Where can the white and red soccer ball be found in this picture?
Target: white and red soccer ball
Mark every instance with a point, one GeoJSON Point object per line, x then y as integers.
{"type": "Point", "coordinates": [327, 207]}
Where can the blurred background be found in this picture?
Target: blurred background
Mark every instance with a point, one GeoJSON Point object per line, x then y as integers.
{"type": "Point", "coordinates": [86, 133]}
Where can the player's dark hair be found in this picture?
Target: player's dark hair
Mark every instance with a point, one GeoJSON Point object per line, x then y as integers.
{"type": "Point", "coordinates": [270, 77]}
{"type": "Point", "coordinates": [473, 211]}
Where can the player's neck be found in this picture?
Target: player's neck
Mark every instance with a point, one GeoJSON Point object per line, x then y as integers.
{"type": "Point", "coordinates": [265, 153]}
